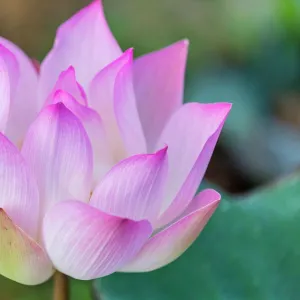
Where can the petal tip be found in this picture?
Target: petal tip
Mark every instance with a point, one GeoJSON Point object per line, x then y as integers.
{"type": "Point", "coordinates": [58, 94]}
{"type": "Point", "coordinates": [220, 109]}
{"type": "Point", "coordinates": [226, 105]}
{"type": "Point", "coordinates": [162, 152]}
{"type": "Point", "coordinates": [61, 97]}
{"type": "Point", "coordinates": [55, 109]}
{"type": "Point", "coordinates": [70, 69]}
{"type": "Point", "coordinates": [128, 55]}
{"type": "Point", "coordinates": [184, 43]}
{"type": "Point", "coordinates": [90, 11]}
{"type": "Point", "coordinates": [207, 200]}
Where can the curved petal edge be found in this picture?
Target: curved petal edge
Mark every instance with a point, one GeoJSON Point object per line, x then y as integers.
{"type": "Point", "coordinates": [134, 187]}
{"type": "Point", "coordinates": [168, 244]}
{"type": "Point", "coordinates": [85, 243]}
{"type": "Point", "coordinates": [191, 134]}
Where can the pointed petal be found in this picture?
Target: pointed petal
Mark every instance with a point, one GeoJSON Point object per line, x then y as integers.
{"type": "Point", "coordinates": [23, 93]}
{"type": "Point", "coordinates": [133, 188]}
{"type": "Point", "coordinates": [93, 125]}
{"type": "Point", "coordinates": [18, 190]}
{"type": "Point", "coordinates": [167, 245]}
{"type": "Point", "coordinates": [83, 40]}
{"type": "Point", "coordinates": [58, 150]}
{"type": "Point", "coordinates": [21, 258]}
{"type": "Point", "coordinates": [102, 98]}
{"type": "Point", "coordinates": [159, 84]}
{"type": "Point", "coordinates": [191, 135]}
{"type": "Point", "coordinates": [67, 82]}
{"type": "Point", "coordinates": [126, 112]}
{"type": "Point", "coordinates": [85, 243]}
{"type": "Point", "coordinates": [4, 94]}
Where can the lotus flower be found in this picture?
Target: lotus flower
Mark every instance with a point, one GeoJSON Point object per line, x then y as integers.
{"type": "Point", "coordinates": [99, 159]}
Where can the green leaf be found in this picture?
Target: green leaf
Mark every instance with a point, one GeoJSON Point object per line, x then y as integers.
{"type": "Point", "coordinates": [249, 250]}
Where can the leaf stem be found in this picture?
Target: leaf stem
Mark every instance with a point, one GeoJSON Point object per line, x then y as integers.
{"type": "Point", "coordinates": [61, 286]}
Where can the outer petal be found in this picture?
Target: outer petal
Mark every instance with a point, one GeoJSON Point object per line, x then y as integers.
{"type": "Point", "coordinates": [11, 66]}
{"type": "Point", "coordinates": [170, 243]}
{"type": "Point", "coordinates": [18, 190]}
{"type": "Point", "coordinates": [93, 125]}
{"type": "Point", "coordinates": [191, 135]}
{"type": "Point", "coordinates": [4, 94]}
{"type": "Point", "coordinates": [126, 112]}
{"type": "Point", "coordinates": [67, 82]}
{"type": "Point", "coordinates": [21, 258]}
{"type": "Point", "coordinates": [59, 151]}
{"type": "Point", "coordinates": [23, 94]}
{"type": "Point", "coordinates": [110, 97]}
{"type": "Point", "coordinates": [133, 188]}
{"type": "Point", "coordinates": [159, 84]}
{"type": "Point", "coordinates": [86, 243]}
{"type": "Point", "coordinates": [85, 42]}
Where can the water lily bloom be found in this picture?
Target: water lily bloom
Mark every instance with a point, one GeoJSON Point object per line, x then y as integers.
{"type": "Point", "coordinates": [99, 159]}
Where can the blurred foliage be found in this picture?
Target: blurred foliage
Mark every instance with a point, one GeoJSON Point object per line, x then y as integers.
{"type": "Point", "coordinates": [10, 290]}
{"type": "Point", "coordinates": [248, 250]}
{"type": "Point", "coordinates": [213, 26]}
{"type": "Point", "coordinates": [289, 12]}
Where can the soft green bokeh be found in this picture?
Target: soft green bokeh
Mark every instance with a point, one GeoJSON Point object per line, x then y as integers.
{"type": "Point", "coordinates": [249, 250]}
{"type": "Point", "coordinates": [9, 290]}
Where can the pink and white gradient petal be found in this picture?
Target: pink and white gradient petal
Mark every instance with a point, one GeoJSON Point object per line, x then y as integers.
{"type": "Point", "coordinates": [158, 84]}
{"type": "Point", "coordinates": [59, 152]}
{"type": "Point", "coordinates": [191, 135]}
{"type": "Point", "coordinates": [21, 258]}
{"type": "Point", "coordinates": [4, 94]}
{"type": "Point", "coordinates": [8, 59]}
{"type": "Point", "coordinates": [19, 195]}
{"type": "Point", "coordinates": [102, 158]}
{"type": "Point", "coordinates": [83, 40]}
{"type": "Point", "coordinates": [134, 187]}
{"type": "Point", "coordinates": [168, 244]}
{"type": "Point", "coordinates": [85, 243]}
{"type": "Point", "coordinates": [102, 99]}
{"type": "Point", "coordinates": [67, 82]}
{"type": "Point", "coordinates": [126, 113]}
{"type": "Point", "coordinates": [23, 94]}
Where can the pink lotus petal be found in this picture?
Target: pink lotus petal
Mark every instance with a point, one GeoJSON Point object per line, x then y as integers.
{"type": "Point", "coordinates": [67, 82]}
{"type": "Point", "coordinates": [10, 63]}
{"type": "Point", "coordinates": [58, 150]}
{"type": "Point", "coordinates": [126, 112]}
{"type": "Point", "coordinates": [134, 187]}
{"type": "Point", "coordinates": [21, 258]}
{"type": "Point", "coordinates": [158, 84]}
{"type": "Point", "coordinates": [191, 135]}
{"type": "Point", "coordinates": [4, 94]}
{"type": "Point", "coordinates": [93, 125]}
{"type": "Point", "coordinates": [23, 94]}
{"type": "Point", "coordinates": [84, 42]}
{"type": "Point", "coordinates": [85, 243]}
{"type": "Point", "coordinates": [102, 99]}
{"type": "Point", "coordinates": [18, 189]}
{"type": "Point", "coordinates": [167, 245]}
